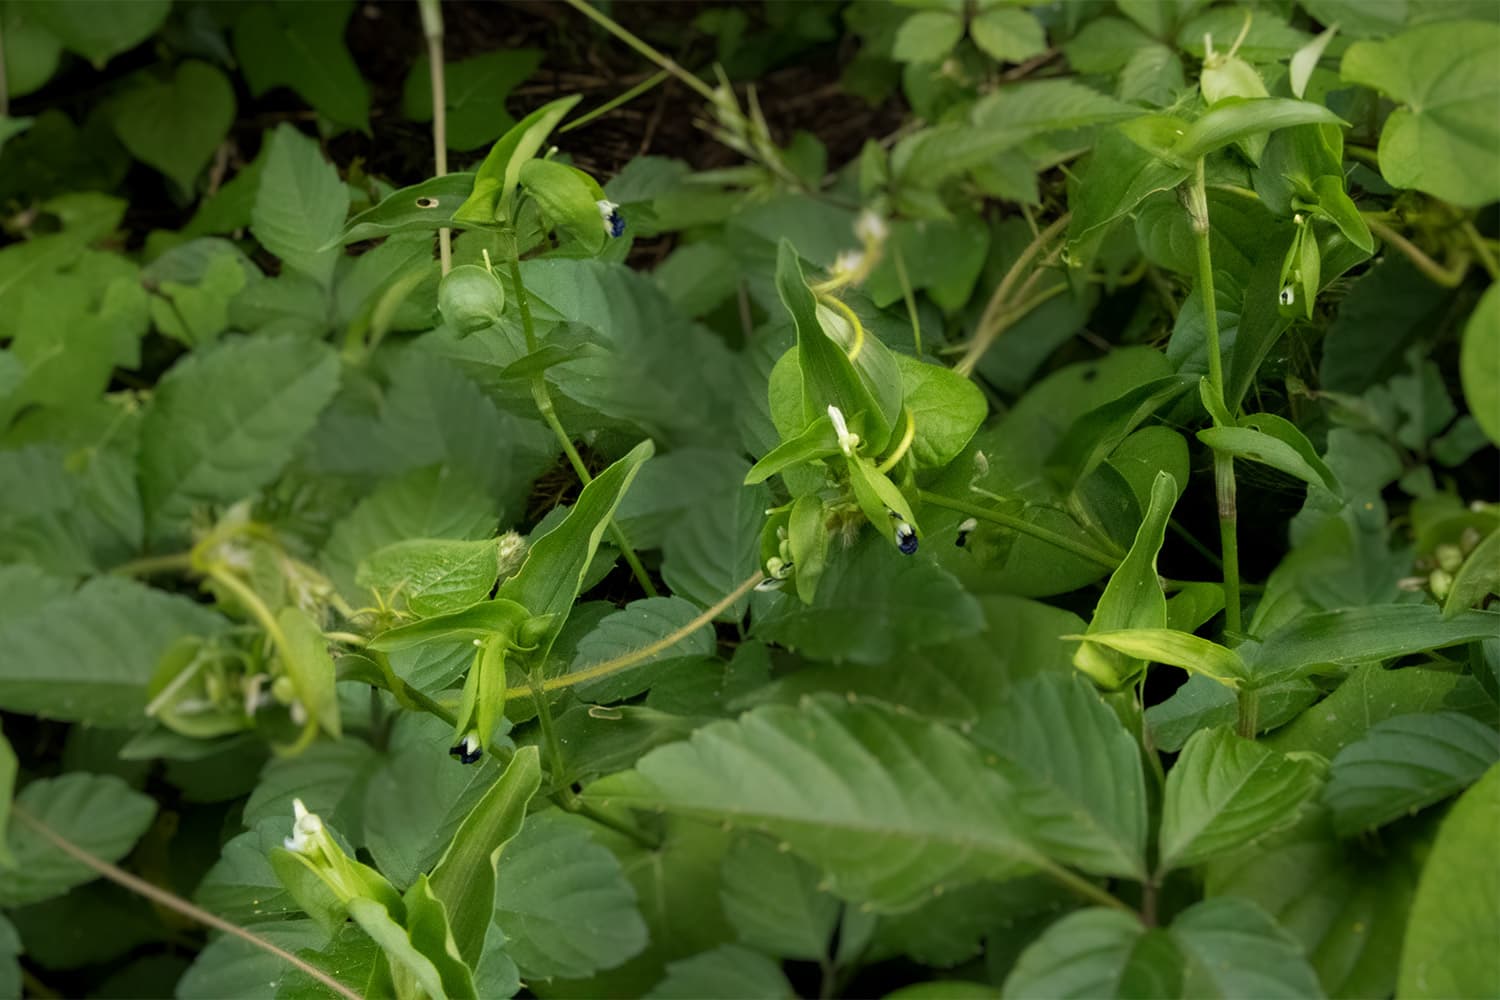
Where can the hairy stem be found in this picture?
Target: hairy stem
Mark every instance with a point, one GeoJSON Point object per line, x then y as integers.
{"type": "Point", "coordinates": [1061, 541]}
{"type": "Point", "coordinates": [432, 28]}
{"type": "Point", "coordinates": [171, 901]}
{"type": "Point", "coordinates": [543, 398]}
{"type": "Point", "coordinates": [1223, 463]}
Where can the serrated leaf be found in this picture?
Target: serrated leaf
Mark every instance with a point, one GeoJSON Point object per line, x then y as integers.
{"type": "Point", "coordinates": [1097, 953]}
{"type": "Point", "coordinates": [1405, 764]}
{"type": "Point", "coordinates": [711, 550]}
{"type": "Point", "coordinates": [433, 575]}
{"type": "Point", "coordinates": [329, 777]}
{"type": "Point", "coordinates": [1233, 949]}
{"type": "Point", "coordinates": [1226, 791]}
{"type": "Point", "coordinates": [1008, 34]}
{"type": "Point", "coordinates": [221, 424]}
{"type": "Point", "coordinates": [773, 900]}
{"type": "Point", "coordinates": [301, 46]}
{"type": "Point", "coordinates": [241, 886]}
{"type": "Point", "coordinates": [728, 971]}
{"type": "Point", "coordinates": [99, 813]}
{"type": "Point", "coordinates": [563, 902]}
{"type": "Point", "coordinates": [893, 807]}
{"type": "Point", "coordinates": [88, 656]}
{"type": "Point", "coordinates": [636, 626]}
{"type": "Point", "coordinates": [300, 205]}
{"type": "Point", "coordinates": [230, 968]}
{"type": "Point", "coordinates": [1453, 917]}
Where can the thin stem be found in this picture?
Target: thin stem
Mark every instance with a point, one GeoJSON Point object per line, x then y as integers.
{"type": "Point", "coordinates": [1080, 885]}
{"type": "Point", "coordinates": [1082, 549]}
{"type": "Point", "coordinates": [615, 102]}
{"type": "Point", "coordinates": [907, 294]}
{"type": "Point", "coordinates": [177, 562]}
{"type": "Point", "coordinates": [660, 58]}
{"type": "Point", "coordinates": [553, 748]}
{"type": "Point", "coordinates": [252, 603]}
{"type": "Point", "coordinates": [1448, 277]}
{"type": "Point", "coordinates": [432, 27]}
{"type": "Point", "coordinates": [543, 398]}
{"type": "Point", "coordinates": [999, 313]}
{"type": "Point", "coordinates": [628, 660]}
{"type": "Point", "coordinates": [1223, 462]}
{"type": "Point", "coordinates": [172, 901]}
{"type": "Point", "coordinates": [1481, 250]}
{"type": "Point", "coordinates": [1248, 723]}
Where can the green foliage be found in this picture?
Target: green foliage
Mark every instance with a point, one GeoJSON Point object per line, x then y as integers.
{"type": "Point", "coordinates": [780, 564]}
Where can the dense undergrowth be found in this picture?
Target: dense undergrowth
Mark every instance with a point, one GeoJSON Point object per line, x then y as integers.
{"type": "Point", "coordinates": [1035, 542]}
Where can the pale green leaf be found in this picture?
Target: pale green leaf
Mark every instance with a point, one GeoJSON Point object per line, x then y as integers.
{"type": "Point", "coordinates": [99, 813]}
{"type": "Point", "coordinates": [434, 576]}
{"type": "Point", "coordinates": [1009, 34]}
{"type": "Point", "coordinates": [300, 206]}
{"type": "Point", "coordinates": [927, 36]}
{"type": "Point", "coordinates": [773, 900]}
{"type": "Point", "coordinates": [728, 972]}
{"type": "Point", "coordinates": [1479, 363]}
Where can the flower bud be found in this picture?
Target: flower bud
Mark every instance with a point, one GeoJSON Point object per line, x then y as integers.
{"type": "Point", "coordinates": [471, 298]}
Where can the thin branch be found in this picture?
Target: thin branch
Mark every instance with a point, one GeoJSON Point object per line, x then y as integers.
{"type": "Point", "coordinates": [432, 28]}
{"type": "Point", "coordinates": [172, 901]}
{"type": "Point", "coordinates": [1448, 277]}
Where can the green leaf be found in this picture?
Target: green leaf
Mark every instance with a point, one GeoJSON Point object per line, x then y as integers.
{"type": "Point", "coordinates": [435, 576]}
{"type": "Point", "coordinates": [221, 424]}
{"type": "Point", "coordinates": [895, 807]}
{"type": "Point", "coordinates": [1376, 632]}
{"type": "Point", "coordinates": [98, 30]}
{"type": "Point", "coordinates": [88, 656]}
{"type": "Point", "coordinates": [1442, 140]}
{"type": "Point", "coordinates": [1476, 579]}
{"type": "Point", "coordinates": [1203, 703]}
{"type": "Point", "coordinates": [1087, 807]}
{"type": "Point", "coordinates": [492, 199]}
{"type": "Point", "coordinates": [1277, 442]}
{"type": "Point", "coordinates": [32, 52]}
{"type": "Point", "coordinates": [420, 208]}
{"type": "Point", "coordinates": [301, 46]}
{"type": "Point", "coordinates": [872, 603]}
{"type": "Point", "coordinates": [300, 206]}
{"type": "Point", "coordinates": [1133, 598]}
{"type": "Point", "coordinates": [1008, 34]}
{"type": "Point", "coordinates": [567, 201]}
{"type": "Point", "coordinates": [927, 36]}
{"type": "Point", "coordinates": [176, 125]}
{"type": "Point", "coordinates": [1404, 764]}
{"type": "Point", "coordinates": [637, 625]}
{"type": "Point", "coordinates": [476, 91]}
{"type": "Point", "coordinates": [231, 968]}
{"type": "Point", "coordinates": [10, 967]}
{"type": "Point", "coordinates": [422, 954]}
{"type": "Point", "coordinates": [1479, 363]}
{"type": "Point", "coordinates": [773, 900]}
{"type": "Point", "coordinates": [464, 880]}
{"type": "Point", "coordinates": [1453, 918]}
{"type": "Point", "coordinates": [1097, 953]}
{"type": "Point", "coordinates": [1119, 175]}
{"type": "Point", "coordinates": [479, 621]}
{"type": "Point", "coordinates": [549, 581]}
{"type": "Point", "coordinates": [1232, 120]}
{"type": "Point", "coordinates": [945, 407]}
{"type": "Point", "coordinates": [241, 886]}
{"type": "Point", "coordinates": [1092, 437]}
{"type": "Point", "coordinates": [1233, 948]}
{"type": "Point", "coordinates": [563, 902]}
{"type": "Point", "coordinates": [307, 662]}
{"type": "Point", "coordinates": [1225, 792]}
{"type": "Point", "coordinates": [8, 768]}
{"type": "Point", "coordinates": [99, 813]}
{"type": "Point", "coordinates": [728, 971]}
{"type": "Point", "coordinates": [817, 440]}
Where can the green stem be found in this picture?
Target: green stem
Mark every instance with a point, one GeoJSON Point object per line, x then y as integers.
{"type": "Point", "coordinates": [171, 901]}
{"type": "Point", "coordinates": [177, 562]}
{"type": "Point", "coordinates": [252, 603]}
{"type": "Point", "coordinates": [999, 312]}
{"type": "Point", "coordinates": [1061, 541]}
{"type": "Point", "coordinates": [1481, 250]}
{"type": "Point", "coordinates": [1248, 723]}
{"type": "Point", "coordinates": [911, 299]}
{"type": "Point", "coordinates": [432, 28]}
{"type": "Point", "coordinates": [1447, 277]}
{"type": "Point", "coordinates": [660, 58]}
{"type": "Point", "coordinates": [543, 398]}
{"type": "Point", "coordinates": [1080, 885]}
{"type": "Point", "coordinates": [1223, 462]}
{"type": "Point", "coordinates": [615, 102]}
{"type": "Point", "coordinates": [553, 748]}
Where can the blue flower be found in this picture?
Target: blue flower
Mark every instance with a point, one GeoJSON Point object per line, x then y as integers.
{"type": "Point", "coordinates": [468, 750]}
{"type": "Point", "coordinates": [614, 223]}
{"type": "Point", "coordinates": [906, 538]}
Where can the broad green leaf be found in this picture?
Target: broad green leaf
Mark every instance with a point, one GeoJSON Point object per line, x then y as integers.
{"type": "Point", "coordinates": [1377, 632]}
{"type": "Point", "coordinates": [435, 576]}
{"type": "Point", "coordinates": [873, 602]}
{"type": "Point", "coordinates": [88, 656]}
{"type": "Point", "coordinates": [715, 546]}
{"type": "Point", "coordinates": [464, 879]}
{"type": "Point", "coordinates": [1404, 764]}
{"type": "Point", "coordinates": [894, 807]}
{"type": "Point", "coordinates": [422, 954]}
{"type": "Point", "coordinates": [476, 91]}
{"type": "Point", "coordinates": [99, 813]}
{"type": "Point", "coordinates": [221, 424]}
{"type": "Point", "coordinates": [1086, 807]}
{"type": "Point", "coordinates": [1203, 703]}
{"type": "Point", "coordinates": [1476, 579]}
{"type": "Point", "coordinates": [1008, 34]}
{"type": "Point", "coordinates": [495, 181]}
{"type": "Point", "coordinates": [563, 902]}
{"type": "Point", "coordinates": [1232, 120]}
{"type": "Point", "coordinates": [1091, 438]}
{"type": "Point", "coordinates": [1447, 950]}
{"type": "Point", "coordinates": [1097, 953]}
{"type": "Point", "coordinates": [10, 967]}
{"type": "Point", "coordinates": [300, 207]}
{"type": "Point", "coordinates": [927, 36]}
{"type": "Point", "coordinates": [32, 52]}
{"type": "Point", "coordinates": [638, 625]}
{"type": "Point", "coordinates": [176, 125]}
{"type": "Point", "coordinates": [8, 768]}
{"type": "Point", "coordinates": [1133, 598]}
{"type": "Point", "coordinates": [1225, 792]}
{"type": "Point", "coordinates": [98, 30]}
{"type": "Point", "coordinates": [773, 900]}
{"type": "Point", "coordinates": [420, 208]}
{"type": "Point", "coordinates": [816, 440]}
{"type": "Point", "coordinates": [549, 581]}
{"type": "Point", "coordinates": [1479, 363]}
{"type": "Point", "coordinates": [567, 201]}
{"type": "Point", "coordinates": [945, 407]}
{"type": "Point", "coordinates": [301, 46]}
{"type": "Point", "coordinates": [1118, 176]}
{"type": "Point", "coordinates": [1233, 948]}
{"type": "Point", "coordinates": [1277, 442]}
{"type": "Point", "coordinates": [330, 777]}
{"type": "Point", "coordinates": [230, 968]}
{"type": "Point", "coordinates": [728, 971]}
{"type": "Point", "coordinates": [1441, 141]}
{"type": "Point", "coordinates": [807, 536]}
{"type": "Point", "coordinates": [241, 886]}
{"type": "Point", "coordinates": [479, 621]}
